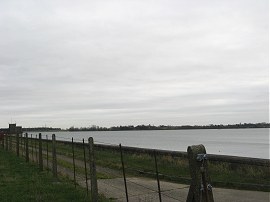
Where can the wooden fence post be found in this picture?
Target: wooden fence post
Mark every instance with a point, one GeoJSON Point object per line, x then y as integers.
{"type": "Point", "coordinates": [54, 162]}
{"type": "Point", "coordinates": [73, 161]}
{"type": "Point", "coordinates": [10, 142]}
{"type": "Point", "coordinates": [6, 140]}
{"type": "Point", "coordinates": [36, 149]}
{"type": "Point", "coordinates": [17, 144]}
{"type": "Point", "coordinates": [47, 151]}
{"type": "Point", "coordinates": [200, 189]}
{"type": "Point", "coordinates": [21, 143]}
{"type": "Point", "coordinates": [93, 173]}
{"type": "Point", "coordinates": [32, 148]}
{"type": "Point", "coordinates": [85, 168]}
{"type": "Point", "coordinates": [3, 142]}
{"type": "Point", "coordinates": [26, 148]}
{"type": "Point", "coordinates": [40, 153]}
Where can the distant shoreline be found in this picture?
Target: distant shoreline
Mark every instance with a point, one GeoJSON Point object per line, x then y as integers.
{"type": "Point", "coordinates": [152, 127]}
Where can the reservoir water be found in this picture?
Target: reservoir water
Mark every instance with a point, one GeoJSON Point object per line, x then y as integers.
{"type": "Point", "coordinates": [235, 142]}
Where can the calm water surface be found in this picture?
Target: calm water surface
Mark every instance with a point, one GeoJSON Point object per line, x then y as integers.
{"type": "Point", "coordinates": [236, 142]}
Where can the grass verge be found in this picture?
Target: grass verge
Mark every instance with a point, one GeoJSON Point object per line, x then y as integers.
{"type": "Point", "coordinates": [20, 181]}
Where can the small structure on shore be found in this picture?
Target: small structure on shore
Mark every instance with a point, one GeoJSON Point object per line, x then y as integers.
{"type": "Point", "coordinates": [13, 129]}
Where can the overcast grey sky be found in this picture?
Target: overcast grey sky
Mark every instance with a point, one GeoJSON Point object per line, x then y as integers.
{"type": "Point", "coordinates": [121, 62]}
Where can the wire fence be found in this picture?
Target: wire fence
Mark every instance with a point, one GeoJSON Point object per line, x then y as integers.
{"type": "Point", "coordinates": [121, 171]}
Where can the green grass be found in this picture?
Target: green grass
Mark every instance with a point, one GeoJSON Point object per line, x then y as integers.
{"type": "Point", "coordinates": [20, 181]}
{"type": "Point", "coordinates": [177, 169]}
{"type": "Point", "coordinates": [174, 168]}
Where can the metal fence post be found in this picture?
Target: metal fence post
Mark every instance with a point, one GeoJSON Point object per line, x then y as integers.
{"type": "Point", "coordinates": [157, 175]}
{"type": "Point", "coordinates": [93, 173]}
{"type": "Point", "coordinates": [26, 148]}
{"type": "Point", "coordinates": [200, 189]}
{"type": "Point", "coordinates": [124, 173]}
{"type": "Point", "coordinates": [54, 162]}
{"type": "Point", "coordinates": [40, 153]}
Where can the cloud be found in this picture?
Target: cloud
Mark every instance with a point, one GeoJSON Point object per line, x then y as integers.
{"type": "Point", "coordinates": [108, 63]}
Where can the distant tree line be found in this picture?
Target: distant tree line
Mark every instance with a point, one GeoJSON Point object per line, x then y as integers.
{"type": "Point", "coordinates": [169, 127]}
{"type": "Point", "coordinates": [41, 129]}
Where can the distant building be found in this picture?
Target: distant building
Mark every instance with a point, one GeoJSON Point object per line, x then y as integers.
{"type": "Point", "coordinates": [13, 129]}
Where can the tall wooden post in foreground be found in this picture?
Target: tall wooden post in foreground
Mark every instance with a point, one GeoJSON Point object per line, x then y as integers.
{"type": "Point", "coordinates": [200, 189]}
{"type": "Point", "coordinates": [93, 173]}
{"type": "Point", "coordinates": [54, 162]}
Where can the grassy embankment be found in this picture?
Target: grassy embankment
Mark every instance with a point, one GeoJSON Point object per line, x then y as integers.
{"type": "Point", "coordinates": [20, 181]}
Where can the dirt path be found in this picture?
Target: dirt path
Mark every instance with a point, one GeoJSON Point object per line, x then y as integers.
{"type": "Point", "coordinates": [145, 189]}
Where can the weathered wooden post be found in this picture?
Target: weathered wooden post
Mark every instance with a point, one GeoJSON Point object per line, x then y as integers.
{"type": "Point", "coordinates": [6, 140]}
{"type": "Point", "coordinates": [40, 152]}
{"type": "Point", "coordinates": [73, 161]}
{"type": "Point", "coordinates": [24, 144]}
{"type": "Point", "coordinates": [93, 173]}
{"type": "Point", "coordinates": [10, 142]}
{"type": "Point", "coordinates": [47, 150]}
{"type": "Point", "coordinates": [54, 161]}
{"type": "Point", "coordinates": [26, 148]}
{"type": "Point", "coordinates": [17, 145]}
{"type": "Point", "coordinates": [21, 143]}
{"type": "Point", "coordinates": [85, 168]}
{"type": "Point", "coordinates": [200, 189]}
{"type": "Point", "coordinates": [3, 141]}
{"type": "Point", "coordinates": [32, 148]}
{"type": "Point", "coordinates": [36, 149]}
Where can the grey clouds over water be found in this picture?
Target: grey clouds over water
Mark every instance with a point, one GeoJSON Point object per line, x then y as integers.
{"type": "Point", "coordinates": [107, 63]}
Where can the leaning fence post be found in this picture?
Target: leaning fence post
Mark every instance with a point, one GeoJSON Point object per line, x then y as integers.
{"type": "Point", "coordinates": [93, 173]}
{"type": "Point", "coordinates": [17, 144]}
{"type": "Point", "coordinates": [157, 175]}
{"type": "Point", "coordinates": [124, 173]}
{"type": "Point", "coordinates": [54, 162]}
{"type": "Point", "coordinates": [200, 189]}
{"type": "Point", "coordinates": [40, 153]}
{"type": "Point", "coordinates": [26, 148]}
